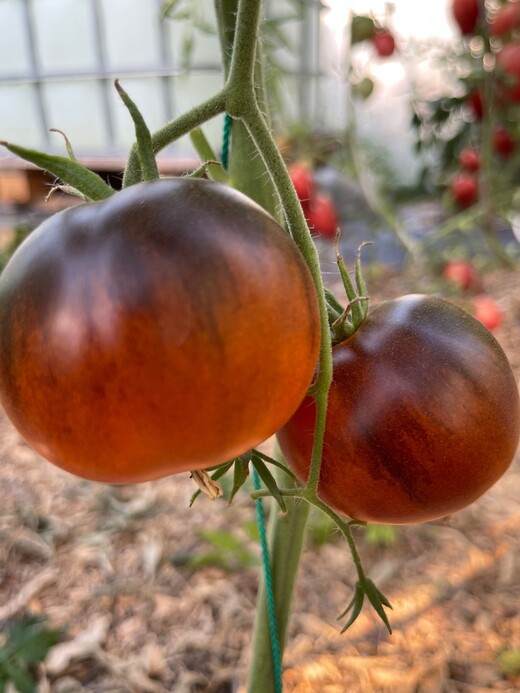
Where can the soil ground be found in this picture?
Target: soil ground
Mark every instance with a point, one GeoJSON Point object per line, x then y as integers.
{"type": "Point", "coordinates": [150, 601]}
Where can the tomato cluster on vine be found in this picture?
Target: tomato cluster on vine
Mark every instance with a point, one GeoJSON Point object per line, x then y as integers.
{"type": "Point", "coordinates": [481, 115]}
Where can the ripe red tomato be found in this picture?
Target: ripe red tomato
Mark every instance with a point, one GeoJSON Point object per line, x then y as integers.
{"type": "Point", "coordinates": [508, 63]}
{"type": "Point", "coordinates": [384, 43]}
{"type": "Point", "coordinates": [503, 143]}
{"type": "Point", "coordinates": [169, 328]}
{"type": "Point", "coordinates": [464, 189]}
{"type": "Point", "coordinates": [505, 20]}
{"type": "Point", "coordinates": [462, 274]}
{"type": "Point", "coordinates": [465, 13]}
{"type": "Point", "coordinates": [469, 159]}
{"type": "Point", "coordinates": [474, 101]}
{"type": "Point", "coordinates": [303, 181]}
{"type": "Point", "coordinates": [487, 311]}
{"type": "Point", "coordinates": [423, 415]}
{"type": "Point", "coordinates": [322, 217]}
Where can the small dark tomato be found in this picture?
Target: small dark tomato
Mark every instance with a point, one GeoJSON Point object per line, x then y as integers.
{"type": "Point", "coordinates": [423, 415]}
{"type": "Point", "coordinates": [170, 328]}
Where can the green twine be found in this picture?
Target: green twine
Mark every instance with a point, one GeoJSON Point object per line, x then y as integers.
{"type": "Point", "coordinates": [268, 579]}
{"type": "Point", "coordinates": [225, 140]}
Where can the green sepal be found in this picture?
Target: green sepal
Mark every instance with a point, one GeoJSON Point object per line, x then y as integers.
{"type": "Point", "coordinates": [355, 606]}
{"type": "Point", "coordinates": [143, 136]}
{"type": "Point", "coordinates": [71, 172]}
{"type": "Point", "coordinates": [240, 474]}
{"type": "Point", "coordinates": [378, 601]}
{"type": "Point", "coordinates": [276, 463]}
{"type": "Point", "coordinates": [268, 480]}
{"type": "Point", "coordinates": [214, 168]}
{"type": "Point", "coordinates": [68, 145]}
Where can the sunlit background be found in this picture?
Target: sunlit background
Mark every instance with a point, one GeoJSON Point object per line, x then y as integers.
{"type": "Point", "coordinates": [52, 75]}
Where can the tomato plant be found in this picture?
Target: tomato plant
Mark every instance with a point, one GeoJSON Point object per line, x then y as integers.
{"type": "Point", "coordinates": [423, 415]}
{"type": "Point", "coordinates": [141, 334]}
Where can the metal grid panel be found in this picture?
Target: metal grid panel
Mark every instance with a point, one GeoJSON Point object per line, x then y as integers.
{"type": "Point", "coordinates": [59, 59]}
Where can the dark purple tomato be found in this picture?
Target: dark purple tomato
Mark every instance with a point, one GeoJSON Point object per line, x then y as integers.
{"type": "Point", "coordinates": [423, 415]}
{"type": "Point", "coordinates": [170, 328]}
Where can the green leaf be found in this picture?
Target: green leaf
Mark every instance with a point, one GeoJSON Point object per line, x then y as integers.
{"type": "Point", "coordinates": [143, 136]}
{"type": "Point", "coordinates": [361, 29]}
{"type": "Point", "coordinates": [269, 481]}
{"type": "Point", "coordinates": [220, 538]}
{"type": "Point", "coordinates": [23, 681]}
{"type": "Point", "coordinates": [363, 90]}
{"type": "Point", "coordinates": [78, 176]}
{"type": "Point", "coordinates": [30, 639]}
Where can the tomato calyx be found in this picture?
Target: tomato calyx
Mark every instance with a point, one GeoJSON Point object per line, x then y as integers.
{"type": "Point", "coordinates": [240, 467]}
{"type": "Point", "coordinates": [347, 320]}
{"type": "Point", "coordinates": [366, 588]}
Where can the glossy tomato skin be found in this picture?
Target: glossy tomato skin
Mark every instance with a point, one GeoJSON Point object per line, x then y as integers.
{"type": "Point", "coordinates": [169, 328]}
{"type": "Point", "coordinates": [423, 415]}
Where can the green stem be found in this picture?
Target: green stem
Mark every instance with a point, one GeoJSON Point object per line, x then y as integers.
{"type": "Point", "coordinates": [299, 230]}
{"type": "Point", "coordinates": [246, 170]}
{"type": "Point", "coordinates": [286, 532]}
{"type": "Point", "coordinates": [173, 130]}
{"type": "Point", "coordinates": [208, 156]}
